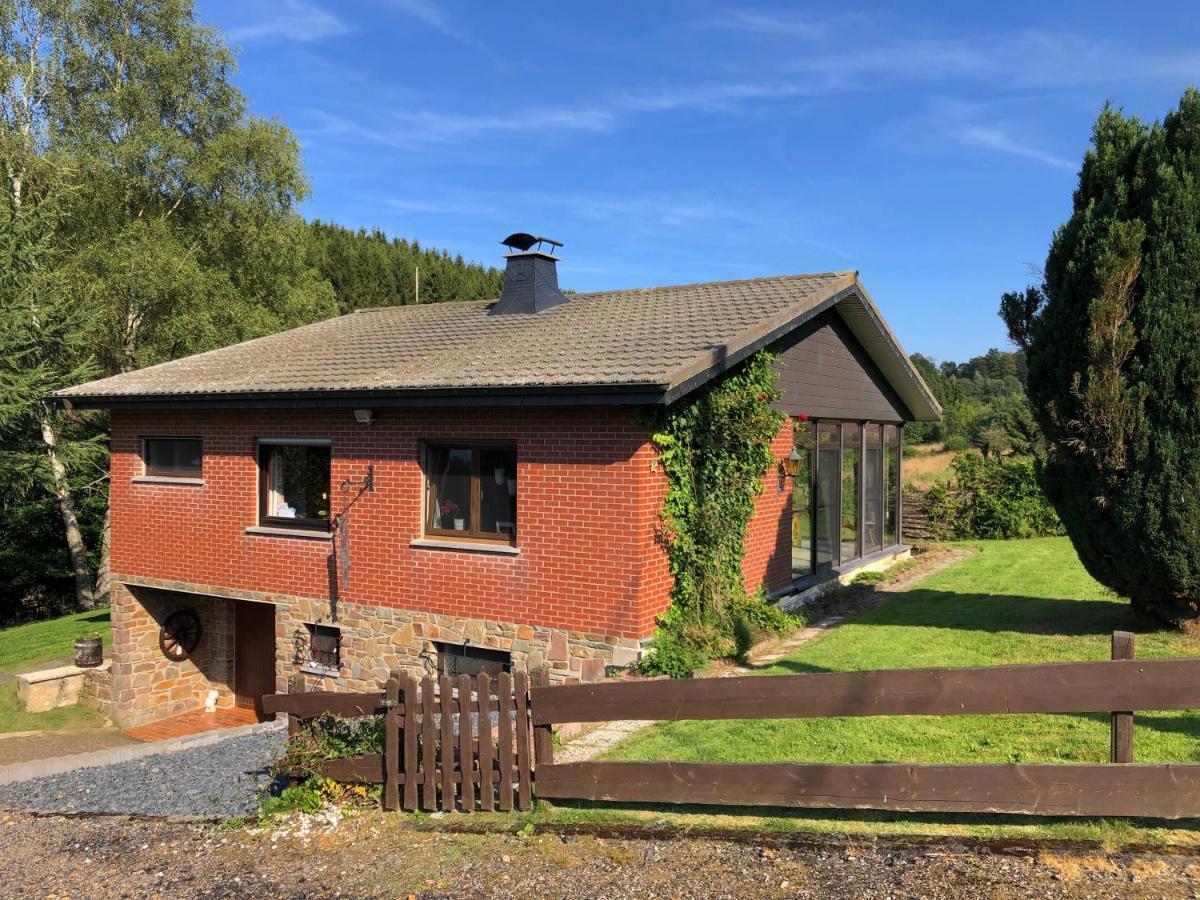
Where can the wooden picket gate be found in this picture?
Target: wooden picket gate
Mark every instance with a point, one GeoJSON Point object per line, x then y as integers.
{"type": "Point", "coordinates": [449, 743]}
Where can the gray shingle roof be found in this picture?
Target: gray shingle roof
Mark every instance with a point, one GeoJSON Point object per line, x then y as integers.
{"type": "Point", "coordinates": [652, 339]}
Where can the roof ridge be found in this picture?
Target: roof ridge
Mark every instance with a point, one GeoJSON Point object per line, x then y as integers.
{"type": "Point", "coordinates": [795, 276]}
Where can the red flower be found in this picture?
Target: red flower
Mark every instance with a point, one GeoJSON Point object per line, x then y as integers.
{"type": "Point", "coordinates": [803, 417]}
{"type": "Point", "coordinates": [762, 397]}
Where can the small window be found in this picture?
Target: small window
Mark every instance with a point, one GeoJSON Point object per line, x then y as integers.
{"type": "Point", "coordinates": [471, 492]}
{"type": "Point", "coordinates": [324, 648]}
{"type": "Point", "coordinates": [294, 486]}
{"type": "Point", "coordinates": [171, 457]}
{"type": "Point", "coordinates": [466, 659]}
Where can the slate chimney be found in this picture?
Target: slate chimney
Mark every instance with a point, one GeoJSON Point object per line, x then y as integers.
{"type": "Point", "coordinates": [530, 279]}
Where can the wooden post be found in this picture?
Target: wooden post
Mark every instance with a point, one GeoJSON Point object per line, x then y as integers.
{"type": "Point", "coordinates": [411, 700]}
{"type": "Point", "coordinates": [429, 755]}
{"type": "Point", "coordinates": [504, 739]}
{"type": "Point", "coordinates": [483, 703]}
{"type": "Point", "coordinates": [466, 747]}
{"type": "Point", "coordinates": [446, 705]}
{"type": "Point", "coordinates": [543, 735]}
{"type": "Point", "coordinates": [295, 686]}
{"type": "Point", "coordinates": [391, 744]}
{"type": "Point", "coordinates": [1122, 722]}
{"type": "Point", "coordinates": [524, 769]}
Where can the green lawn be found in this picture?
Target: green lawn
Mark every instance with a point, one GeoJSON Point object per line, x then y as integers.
{"type": "Point", "coordinates": [13, 716]}
{"type": "Point", "coordinates": [1014, 602]}
{"type": "Point", "coordinates": [24, 646]}
{"type": "Point", "coordinates": [34, 642]}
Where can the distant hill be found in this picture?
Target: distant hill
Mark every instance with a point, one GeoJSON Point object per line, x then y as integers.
{"type": "Point", "coordinates": [367, 268]}
{"type": "Point", "coordinates": [983, 403]}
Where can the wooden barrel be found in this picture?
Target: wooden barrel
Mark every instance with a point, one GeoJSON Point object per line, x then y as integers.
{"type": "Point", "coordinates": [89, 652]}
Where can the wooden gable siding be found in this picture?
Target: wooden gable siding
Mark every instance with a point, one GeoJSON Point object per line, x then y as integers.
{"type": "Point", "coordinates": [825, 373]}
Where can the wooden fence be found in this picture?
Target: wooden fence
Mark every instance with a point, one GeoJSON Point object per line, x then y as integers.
{"type": "Point", "coordinates": [440, 746]}
{"type": "Point", "coordinates": [1117, 687]}
{"type": "Point", "coordinates": [458, 743]}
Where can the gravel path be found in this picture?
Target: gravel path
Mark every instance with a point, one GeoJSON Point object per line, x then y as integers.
{"type": "Point", "coordinates": [220, 779]}
{"type": "Point", "coordinates": [374, 854]}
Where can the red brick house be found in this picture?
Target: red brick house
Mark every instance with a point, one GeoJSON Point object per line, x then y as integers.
{"type": "Point", "coordinates": [457, 485]}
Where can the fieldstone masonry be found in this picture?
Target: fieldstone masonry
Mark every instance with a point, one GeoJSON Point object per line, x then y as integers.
{"type": "Point", "coordinates": [147, 685]}
{"type": "Point", "coordinates": [374, 640]}
{"type": "Point", "coordinates": [377, 639]}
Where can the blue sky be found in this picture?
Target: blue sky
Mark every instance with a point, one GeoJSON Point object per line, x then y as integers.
{"type": "Point", "coordinates": [931, 146]}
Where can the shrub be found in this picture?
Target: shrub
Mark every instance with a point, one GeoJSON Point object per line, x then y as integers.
{"type": "Point", "coordinates": [329, 737]}
{"type": "Point", "coordinates": [671, 655]}
{"type": "Point", "coordinates": [1114, 361]}
{"type": "Point", "coordinates": [991, 498]}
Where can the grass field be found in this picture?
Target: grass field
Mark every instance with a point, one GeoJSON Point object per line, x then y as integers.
{"type": "Point", "coordinates": [35, 642]}
{"type": "Point", "coordinates": [24, 646]}
{"type": "Point", "coordinates": [1014, 602]}
{"type": "Point", "coordinates": [926, 464]}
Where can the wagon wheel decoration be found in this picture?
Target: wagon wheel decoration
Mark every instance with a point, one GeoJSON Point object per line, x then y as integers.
{"type": "Point", "coordinates": [179, 635]}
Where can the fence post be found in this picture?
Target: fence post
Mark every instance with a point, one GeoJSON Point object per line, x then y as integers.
{"type": "Point", "coordinates": [295, 686]}
{"type": "Point", "coordinates": [543, 735]}
{"type": "Point", "coordinates": [1122, 722]}
{"type": "Point", "coordinates": [410, 743]}
{"type": "Point", "coordinates": [391, 744]}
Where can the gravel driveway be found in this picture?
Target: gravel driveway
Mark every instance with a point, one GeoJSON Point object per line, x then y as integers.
{"type": "Point", "coordinates": [217, 780]}
{"type": "Point", "coordinates": [375, 854]}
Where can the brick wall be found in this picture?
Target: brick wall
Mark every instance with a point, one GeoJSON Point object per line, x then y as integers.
{"type": "Point", "coordinates": [768, 560]}
{"type": "Point", "coordinates": [588, 500]}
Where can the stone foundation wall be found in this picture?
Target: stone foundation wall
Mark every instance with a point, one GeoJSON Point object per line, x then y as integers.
{"type": "Point", "coordinates": [97, 690]}
{"type": "Point", "coordinates": [377, 639]}
{"type": "Point", "coordinates": [374, 640]}
{"type": "Point", "coordinates": [147, 685]}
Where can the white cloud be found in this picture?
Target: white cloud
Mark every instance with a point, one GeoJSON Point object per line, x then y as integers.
{"type": "Point", "coordinates": [770, 24]}
{"type": "Point", "coordinates": [292, 20]}
{"type": "Point", "coordinates": [433, 127]}
{"type": "Point", "coordinates": [433, 15]}
{"type": "Point", "coordinates": [995, 138]}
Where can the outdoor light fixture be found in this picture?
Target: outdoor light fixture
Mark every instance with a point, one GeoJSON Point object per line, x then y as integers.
{"type": "Point", "coordinates": [791, 463]}
{"type": "Point", "coordinates": [363, 416]}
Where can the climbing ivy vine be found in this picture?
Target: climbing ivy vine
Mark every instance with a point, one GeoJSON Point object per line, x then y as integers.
{"type": "Point", "coordinates": [714, 446]}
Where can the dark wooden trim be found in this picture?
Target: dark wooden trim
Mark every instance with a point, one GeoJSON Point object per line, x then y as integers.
{"type": "Point", "coordinates": [1169, 790]}
{"type": "Point", "coordinates": [318, 703]}
{"type": "Point", "coordinates": [1122, 721]}
{"type": "Point", "coordinates": [472, 535]}
{"type": "Point", "coordinates": [264, 490]}
{"type": "Point", "coordinates": [170, 473]}
{"type": "Point", "coordinates": [1074, 687]}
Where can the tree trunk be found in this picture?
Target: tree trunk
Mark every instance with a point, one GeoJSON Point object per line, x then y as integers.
{"type": "Point", "coordinates": [66, 507]}
{"type": "Point", "coordinates": [103, 579]}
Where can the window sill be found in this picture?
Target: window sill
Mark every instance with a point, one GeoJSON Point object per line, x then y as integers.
{"type": "Point", "coordinates": [473, 546]}
{"type": "Point", "coordinates": [307, 533]}
{"type": "Point", "coordinates": [318, 669]}
{"type": "Point", "coordinates": [166, 479]}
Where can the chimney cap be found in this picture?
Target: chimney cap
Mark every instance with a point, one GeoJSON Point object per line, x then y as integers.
{"type": "Point", "coordinates": [521, 242]}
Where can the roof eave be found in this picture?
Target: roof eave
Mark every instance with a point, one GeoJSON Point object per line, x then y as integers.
{"type": "Point", "coordinates": [531, 395]}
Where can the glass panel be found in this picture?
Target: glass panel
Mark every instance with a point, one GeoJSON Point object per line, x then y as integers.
{"type": "Point", "coordinates": [802, 549]}
{"type": "Point", "coordinates": [498, 490]}
{"type": "Point", "coordinates": [172, 458]}
{"type": "Point", "coordinates": [299, 482]}
{"type": "Point", "coordinates": [826, 494]}
{"type": "Point", "coordinates": [891, 479]}
{"type": "Point", "coordinates": [450, 488]}
{"type": "Point", "coordinates": [873, 489]}
{"type": "Point", "coordinates": [851, 459]}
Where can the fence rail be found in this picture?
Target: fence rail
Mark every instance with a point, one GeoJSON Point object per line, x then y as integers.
{"type": "Point", "coordinates": [442, 748]}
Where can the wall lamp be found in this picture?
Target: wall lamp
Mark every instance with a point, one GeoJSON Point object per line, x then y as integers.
{"type": "Point", "coordinates": [363, 416]}
{"type": "Point", "coordinates": [790, 464]}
